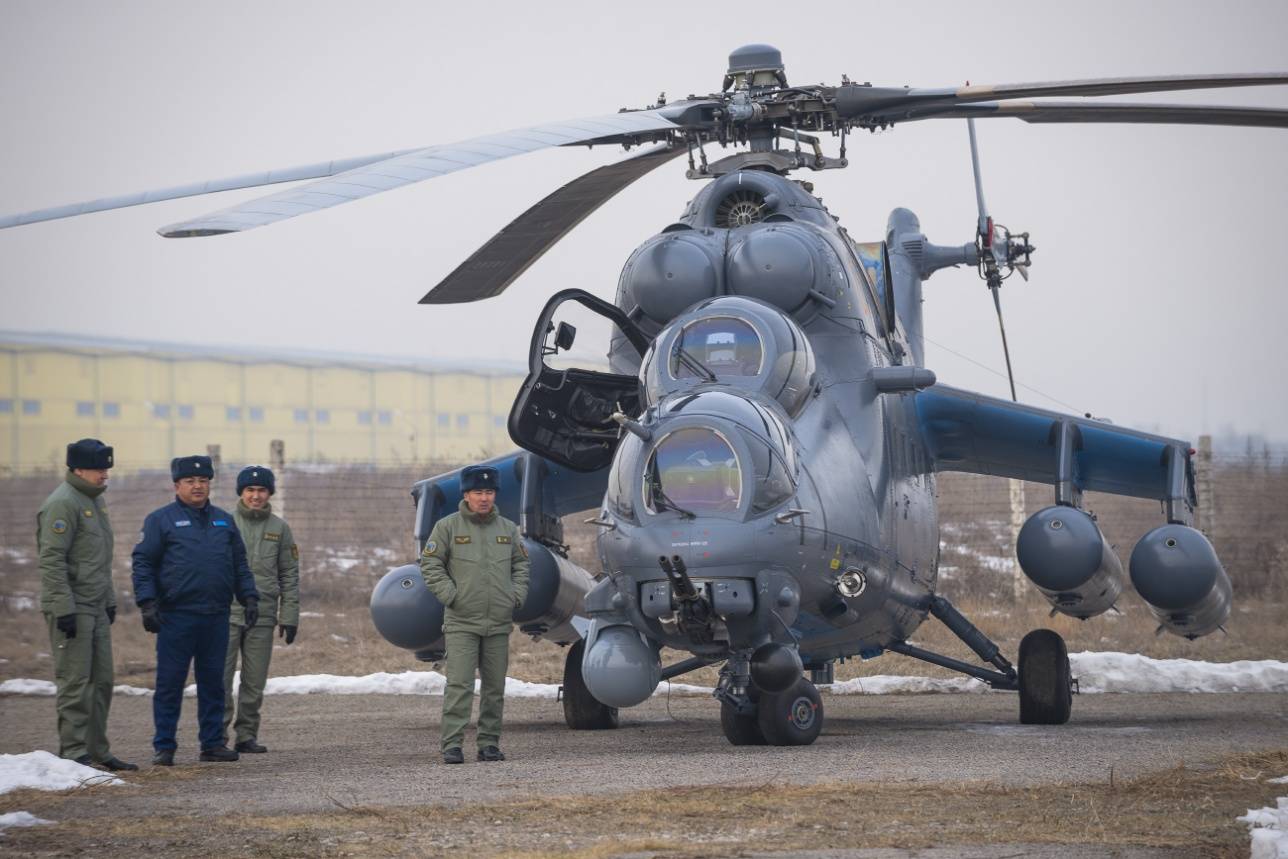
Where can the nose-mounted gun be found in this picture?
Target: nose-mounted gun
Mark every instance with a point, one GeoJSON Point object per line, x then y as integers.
{"type": "Point", "coordinates": [694, 614]}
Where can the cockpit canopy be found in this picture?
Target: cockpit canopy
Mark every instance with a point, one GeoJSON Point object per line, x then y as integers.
{"type": "Point", "coordinates": [735, 341]}
{"type": "Point", "coordinates": [713, 453]}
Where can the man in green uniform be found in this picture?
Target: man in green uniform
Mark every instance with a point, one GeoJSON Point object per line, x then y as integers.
{"type": "Point", "coordinates": [275, 561]}
{"type": "Point", "coordinates": [79, 602]}
{"type": "Point", "coordinates": [476, 564]}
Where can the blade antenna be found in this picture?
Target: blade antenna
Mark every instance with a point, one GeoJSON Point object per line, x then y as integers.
{"type": "Point", "coordinates": [985, 238]}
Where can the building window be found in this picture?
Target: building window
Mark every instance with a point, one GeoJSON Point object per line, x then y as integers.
{"type": "Point", "coordinates": [322, 416]}
{"type": "Point", "coordinates": [31, 407]}
{"type": "Point", "coordinates": [384, 417]}
{"type": "Point", "coordinates": [233, 413]}
{"type": "Point", "coordinates": [364, 417]}
{"type": "Point", "coordinates": [301, 416]}
{"type": "Point", "coordinates": [6, 406]}
{"type": "Point", "coordinates": [444, 421]}
{"type": "Point", "coordinates": [257, 414]}
{"type": "Point", "coordinates": [462, 422]}
{"type": "Point", "coordinates": [84, 409]}
{"type": "Point", "coordinates": [111, 410]}
{"type": "Point", "coordinates": [161, 410]}
{"type": "Point", "coordinates": [185, 412]}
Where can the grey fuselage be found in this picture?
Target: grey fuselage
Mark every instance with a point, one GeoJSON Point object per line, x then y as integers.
{"type": "Point", "coordinates": [859, 496]}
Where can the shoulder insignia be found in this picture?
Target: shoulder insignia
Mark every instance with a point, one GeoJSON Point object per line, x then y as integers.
{"type": "Point", "coordinates": [141, 536]}
{"type": "Point", "coordinates": [273, 537]}
{"type": "Point", "coordinates": [430, 548]}
{"type": "Point", "coordinates": [59, 526]}
{"type": "Point", "coordinates": [461, 540]}
{"type": "Point", "coordinates": [89, 514]}
{"type": "Point", "coordinates": [295, 551]}
{"type": "Point", "coordinates": [503, 539]}
{"type": "Point", "coordinates": [523, 548]}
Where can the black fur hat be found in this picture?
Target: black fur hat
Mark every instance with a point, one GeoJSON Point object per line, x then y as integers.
{"type": "Point", "coordinates": [479, 477]}
{"type": "Point", "coordinates": [89, 453]}
{"type": "Point", "coordinates": [191, 466]}
{"type": "Point", "coordinates": [256, 475]}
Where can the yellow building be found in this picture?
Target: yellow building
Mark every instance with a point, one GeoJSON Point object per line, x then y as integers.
{"type": "Point", "coordinates": [154, 401]}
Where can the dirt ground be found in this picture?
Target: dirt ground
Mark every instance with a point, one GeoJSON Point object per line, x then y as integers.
{"type": "Point", "coordinates": [1130, 775]}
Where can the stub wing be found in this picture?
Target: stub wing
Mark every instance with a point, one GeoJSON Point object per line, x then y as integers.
{"type": "Point", "coordinates": [973, 433]}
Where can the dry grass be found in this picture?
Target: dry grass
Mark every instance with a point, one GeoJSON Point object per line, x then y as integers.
{"type": "Point", "coordinates": [1190, 809]}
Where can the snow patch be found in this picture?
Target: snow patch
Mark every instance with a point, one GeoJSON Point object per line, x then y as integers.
{"type": "Point", "coordinates": [1280, 780]}
{"type": "Point", "coordinates": [24, 686]}
{"type": "Point", "coordinates": [19, 818]}
{"type": "Point", "coordinates": [45, 771]}
{"type": "Point", "coordinates": [312, 614]}
{"type": "Point", "coordinates": [20, 603]}
{"type": "Point", "coordinates": [888, 684]}
{"type": "Point", "coordinates": [1129, 672]}
{"type": "Point", "coordinates": [1269, 830]}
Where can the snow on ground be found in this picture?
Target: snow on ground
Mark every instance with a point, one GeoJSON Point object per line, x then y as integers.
{"type": "Point", "coordinates": [1096, 673]}
{"type": "Point", "coordinates": [1129, 672]}
{"type": "Point", "coordinates": [1269, 829]}
{"type": "Point", "coordinates": [19, 603]}
{"type": "Point", "coordinates": [19, 818]}
{"type": "Point", "coordinates": [45, 771]}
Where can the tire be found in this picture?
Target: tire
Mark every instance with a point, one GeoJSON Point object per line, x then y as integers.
{"type": "Point", "coordinates": [793, 717]}
{"type": "Point", "coordinates": [740, 730]}
{"type": "Point", "coordinates": [582, 711]}
{"type": "Point", "coordinates": [1046, 693]}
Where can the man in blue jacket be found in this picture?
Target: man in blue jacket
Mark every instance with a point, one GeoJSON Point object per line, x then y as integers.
{"type": "Point", "coordinates": [189, 564]}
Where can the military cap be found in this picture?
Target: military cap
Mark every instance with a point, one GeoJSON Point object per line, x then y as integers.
{"type": "Point", "coordinates": [479, 477]}
{"type": "Point", "coordinates": [191, 466]}
{"type": "Point", "coordinates": [256, 475]}
{"type": "Point", "coordinates": [89, 453]}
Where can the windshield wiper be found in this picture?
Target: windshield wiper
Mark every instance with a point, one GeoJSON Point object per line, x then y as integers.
{"type": "Point", "coordinates": [686, 358]}
{"type": "Point", "coordinates": [663, 502]}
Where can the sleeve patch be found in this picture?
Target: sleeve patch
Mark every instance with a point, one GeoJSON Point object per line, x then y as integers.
{"type": "Point", "coordinates": [59, 526]}
{"type": "Point", "coordinates": [142, 536]}
{"type": "Point", "coordinates": [295, 551]}
{"type": "Point", "coordinates": [460, 541]}
{"type": "Point", "coordinates": [503, 539]}
{"type": "Point", "coordinates": [523, 548]}
{"type": "Point", "coordinates": [430, 548]}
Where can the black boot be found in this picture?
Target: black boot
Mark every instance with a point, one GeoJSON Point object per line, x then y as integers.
{"type": "Point", "coordinates": [85, 761]}
{"type": "Point", "coordinates": [490, 754]}
{"type": "Point", "coordinates": [115, 764]}
{"type": "Point", "coordinates": [453, 756]}
{"type": "Point", "coordinates": [219, 754]}
{"type": "Point", "coordinates": [250, 747]}
{"type": "Point", "coordinates": [163, 758]}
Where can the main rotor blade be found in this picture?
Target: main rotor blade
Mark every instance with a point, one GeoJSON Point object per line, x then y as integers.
{"type": "Point", "coordinates": [249, 180]}
{"type": "Point", "coordinates": [866, 101]}
{"type": "Point", "coordinates": [982, 226]}
{"type": "Point", "coordinates": [1006, 350]}
{"type": "Point", "coordinates": [524, 240]}
{"type": "Point", "coordinates": [1077, 111]}
{"type": "Point", "coordinates": [417, 166]}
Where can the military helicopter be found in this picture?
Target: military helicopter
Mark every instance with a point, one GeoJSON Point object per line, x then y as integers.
{"type": "Point", "coordinates": [761, 454]}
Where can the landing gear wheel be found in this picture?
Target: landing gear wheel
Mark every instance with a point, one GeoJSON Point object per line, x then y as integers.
{"type": "Point", "coordinates": [741, 730]}
{"type": "Point", "coordinates": [1046, 693]}
{"type": "Point", "coordinates": [793, 717]}
{"type": "Point", "coordinates": [582, 711]}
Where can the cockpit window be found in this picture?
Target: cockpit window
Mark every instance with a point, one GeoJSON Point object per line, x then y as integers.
{"type": "Point", "coordinates": [693, 470]}
{"type": "Point", "coordinates": [722, 344]}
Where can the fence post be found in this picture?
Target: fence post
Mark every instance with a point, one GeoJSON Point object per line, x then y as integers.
{"type": "Point", "coordinates": [1017, 522]}
{"type": "Point", "coordinates": [1203, 485]}
{"type": "Point", "coordinates": [277, 462]}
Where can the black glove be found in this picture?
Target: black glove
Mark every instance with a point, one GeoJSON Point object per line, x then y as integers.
{"type": "Point", "coordinates": [67, 625]}
{"type": "Point", "coordinates": [111, 615]}
{"type": "Point", "coordinates": [151, 616]}
{"type": "Point", "coordinates": [252, 611]}
{"type": "Point", "coordinates": [287, 631]}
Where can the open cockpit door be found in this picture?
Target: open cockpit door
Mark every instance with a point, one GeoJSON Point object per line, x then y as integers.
{"type": "Point", "coordinates": [565, 415]}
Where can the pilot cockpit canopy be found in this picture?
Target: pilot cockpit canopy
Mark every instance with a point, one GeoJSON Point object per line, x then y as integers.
{"type": "Point", "coordinates": [735, 341]}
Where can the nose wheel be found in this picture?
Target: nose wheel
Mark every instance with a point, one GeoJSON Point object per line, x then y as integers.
{"type": "Point", "coordinates": [1046, 686]}
{"type": "Point", "coordinates": [793, 717]}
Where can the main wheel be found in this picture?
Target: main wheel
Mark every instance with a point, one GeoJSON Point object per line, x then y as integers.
{"type": "Point", "coordinates": [738, 729]}
{"type": "Point", "coordinates": [582, 711]}
{"type": "Point", "coordinates": [793, 717]}
{"type": "Point", "coordinates": [1046, 690]}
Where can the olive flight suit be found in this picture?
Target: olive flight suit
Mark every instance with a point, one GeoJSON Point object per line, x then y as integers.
{"type": "Point", "coordinates": [275, 560]}
{"type": "Point", "coordinates": [74, 537]}
{"type": "Point", "coordinates": [477, 566]}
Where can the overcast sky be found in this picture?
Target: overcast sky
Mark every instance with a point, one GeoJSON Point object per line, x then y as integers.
{"type": "Point", "coordinates": [1158, 296]}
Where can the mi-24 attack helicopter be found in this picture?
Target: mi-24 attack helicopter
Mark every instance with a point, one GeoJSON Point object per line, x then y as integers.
{"type": "Point", "coordinates": [762, 453]}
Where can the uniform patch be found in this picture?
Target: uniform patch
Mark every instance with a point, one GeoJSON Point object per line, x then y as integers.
{"type": "Point", "coordinates": [273, 537]}
{"type": "Point", "coordinates": [461, 540]}
{"type": "Point", "coordinates": [89, 514]}
{"type": "Point", "coordinates": [295, 551]}
{"type": "Point", "coordinates": [430, 548]}
{"type": "Point", "coordinates": [220, 523]}
{"type": "Point", "coordinates": [183, 523]}
{"type": "Point", "coordinates": [141, 536]}
{"type": "Point", "coordinates": [503, 539]}
{"type": "Point", "coordinates": [59, 526]}
{"type": "Point", "coordinates": [523, 548]}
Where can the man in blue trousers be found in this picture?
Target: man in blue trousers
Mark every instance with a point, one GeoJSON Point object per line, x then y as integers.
{"type": "Point", "coordinates": [189, 564]}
